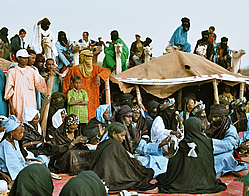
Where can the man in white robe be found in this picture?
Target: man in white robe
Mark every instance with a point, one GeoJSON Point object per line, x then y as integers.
{"type": "Point", "coordinates": [41, 29]}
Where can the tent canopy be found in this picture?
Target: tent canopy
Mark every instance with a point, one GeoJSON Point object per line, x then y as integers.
{"type": "Point", "coordinates": [168, 73]}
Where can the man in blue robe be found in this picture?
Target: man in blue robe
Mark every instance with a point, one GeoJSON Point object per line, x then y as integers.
{"type": "Point", "coordinates": [180, 36]}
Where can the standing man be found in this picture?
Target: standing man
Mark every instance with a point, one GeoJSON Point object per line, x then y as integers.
{"type": "Point", "coordinates": [136, 51]}
{"type": "Point", "coordinates": [41, 29]}
{"type": "Point", "coordinates": [22, 81]}
{"type": "Point", "coordinates": [90, 80]}
{"type": "Point", "coordinates": [17, 42]}
{"type": "Point", "coordinates": [180, 36]}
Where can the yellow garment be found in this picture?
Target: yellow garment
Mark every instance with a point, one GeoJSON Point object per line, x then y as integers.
{"type": "Point", "coordinates": [85, 65]}
{"type": "Point", "coordinates": [247, 107]}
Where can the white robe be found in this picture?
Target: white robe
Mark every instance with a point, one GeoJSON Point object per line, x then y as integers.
{"type": "Point", "coordinates": [37, 39]}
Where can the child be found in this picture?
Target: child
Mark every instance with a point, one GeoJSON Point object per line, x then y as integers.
{"type": "Point", "coordinates": [77, 101]}
{"type": "Point", "coordinates": [50, 67]}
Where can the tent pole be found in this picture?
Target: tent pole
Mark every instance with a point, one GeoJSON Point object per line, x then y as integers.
{"type": "Point", "coordinates": [242, 89]}
{"type": "Point", "coordinates": [107, 92]}
{"type": "Point", "coordinates": [216, 96]}
{"type": "Point", "coordinates": [139, 99]}
{"type": "Point", "coordinates": [179, 100]}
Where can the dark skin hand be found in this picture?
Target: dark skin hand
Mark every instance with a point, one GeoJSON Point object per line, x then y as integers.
{"type": "Point", "coordinates": [97, 81]}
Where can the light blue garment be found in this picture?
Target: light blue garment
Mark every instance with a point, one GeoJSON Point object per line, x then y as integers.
{"type": "Point", "coordinates": [223, 153]}
{"type": "Point", "coordinates": [101, 110]}
{"type": "Point", "coordinates": [61, 59]}
{"type": "Point", "coordinates": [153, 158]}
{"type": "Point", "coordinates": [11, 159]}
{"type": "Point", "coordinates": [3, 103]}
{"type": "Point", "coordinates": [217, 52]}
{"type": "Point", "coordinates": [12, 65]}
{"type": "Point", "coordinates": [179, 38]}
{"type": "Point", "coordinates": [187, 115]}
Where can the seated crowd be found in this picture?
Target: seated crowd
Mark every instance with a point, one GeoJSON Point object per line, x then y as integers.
{"type": "Point", "coordinates": [52, 121]}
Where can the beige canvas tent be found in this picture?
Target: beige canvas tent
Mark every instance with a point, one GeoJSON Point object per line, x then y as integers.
{"type": "Point", "coordinates": [167, 74]}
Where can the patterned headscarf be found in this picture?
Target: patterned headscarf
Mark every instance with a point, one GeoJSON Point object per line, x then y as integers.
{"type": "Point", "coordinates": [85, 65]}
{"type": "Point", "coordinates": [72, 120]}
{"type": "Point", "coordinates": [136, 108]}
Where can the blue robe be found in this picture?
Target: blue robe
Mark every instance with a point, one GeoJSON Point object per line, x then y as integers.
{"type": "Point", "coordinates": [61, 59]}
{"type": "Point", "coordinates": [11, 159]}
{"type": "Point", "coordinates": [223, 153]}
{"type": "Point", "coordinates": [153, 158]}
{"type": "Point", "coordinates": [179, 38]}
{"type": "Point", "coordinates": [3, 103]}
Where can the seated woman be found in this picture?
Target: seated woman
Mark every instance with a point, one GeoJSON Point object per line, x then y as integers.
{"type": "Point", "coordinates": [33, 180]}
{"type": "Point", "coordinates": [191, 170]}
{"type": "Point", "coordinates": [11, 159]}
{"type": "Point", "coordinates": [138, 121]}
{"type": "Point", "coordinates": [133, 143]}
{"type": "Point", "coordinates": [114, 164]}
{"type": "Point", "coordinates": [87, 183]}
{"type": "Point", "coordinates": [57, 121]}
{"type": "Point", "coordinates": [225, 140]}
{"type": "Point", "coordinates": [189, 104]}
{"type": "Point", "coordinates": [96, 126]}
{"type": "Point", "coordinates": [152, 111]}
{"type": "Point", "coordinates": [72, 155]}
{"type": "Point", "coordinates": [167, 123]}
{"type": "Point", "coordinates": [33, 141]}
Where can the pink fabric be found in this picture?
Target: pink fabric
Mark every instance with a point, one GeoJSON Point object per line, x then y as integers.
{"type": "Point", "coordinates": [20, 87]}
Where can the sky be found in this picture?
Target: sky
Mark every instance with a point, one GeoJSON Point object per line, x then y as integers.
{"type": "Point", "coordinates": [156, 19]}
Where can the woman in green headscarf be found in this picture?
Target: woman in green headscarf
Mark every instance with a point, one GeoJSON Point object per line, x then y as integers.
{"type": "Point", "coordinates": [33, 180]}
{"type": "Point", "coordinates": [113, 163]}
{"type": "Point", "coordinates": [191, 170]}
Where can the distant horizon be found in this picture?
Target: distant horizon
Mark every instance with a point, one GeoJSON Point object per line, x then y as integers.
{"type": "Point", "coordinates": [157, 20]}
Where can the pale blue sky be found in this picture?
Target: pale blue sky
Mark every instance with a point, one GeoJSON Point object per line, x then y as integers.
{"type": "Point", "coordinates": [157, 19]}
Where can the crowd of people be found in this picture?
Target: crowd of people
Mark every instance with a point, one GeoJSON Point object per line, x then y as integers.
{"type": "Point", "coordinates": [119, 146]}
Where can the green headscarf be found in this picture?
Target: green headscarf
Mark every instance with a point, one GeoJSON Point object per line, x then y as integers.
{"type": "Point", "coordinates": [115, 127]}
{"type": "Point", "coordinates": [33, 180]}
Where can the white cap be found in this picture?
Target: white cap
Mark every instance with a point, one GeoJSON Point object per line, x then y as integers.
{"type": "Point", "coordinates": [22, 53]}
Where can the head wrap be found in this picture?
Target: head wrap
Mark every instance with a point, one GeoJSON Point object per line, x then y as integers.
{"type": "Point", "coordinates": [38, 181]}
{"type": "Point", "coordinates": [72, 120]}
{"type": "Point", "coordinates": [167, 103]}
{"type": "Point", "coordinates": [224, 39]}
{"type": "Point", "coordinates": [57, 94]}
{"type": "Point", "coordinates": [29, 113]}
{"type": "Point", "coordinates": [224, 102]}
{"type": "Point", "coordinates": [116, 127]}
{"type": "Point", "coordinates": [198, 108]}
{"type": "Point", "coordinates": [99, 112]}
{"type": "Point", "coordinates": [62, 38]}
{"type": "Point", "coordinates": [136, 108]}
{"type": "Point", "coordinates": [151, 106]}
{"type": "Point", "coordinates": [45, 25]}
{"type": "Point", "coordinates": [203, 33]}
{"type": "Point", "coordinates": [147, 41]}
{"type": "Point", "coordinates": [56, 119]}
{"type": "Point", "coordinates": [218, 110]}
{"type": "Point", "coordinates": [114, 35]}
{"type": "Point", "coordinates": [4, 34]}
{"type": "Point", "coordinates": [85, 65]}
{"type": "Point", "coordinates": [10, 123]}
{"type": "Point", "coordinates": [185, 26]}
{"type": "Point", "coordinates": [123, 99]}
{"type": "Point", "coordinates": [238, 116]}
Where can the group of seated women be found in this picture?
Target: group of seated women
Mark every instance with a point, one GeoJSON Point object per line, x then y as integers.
{"type": "Point", "coordinates": [183, 157]}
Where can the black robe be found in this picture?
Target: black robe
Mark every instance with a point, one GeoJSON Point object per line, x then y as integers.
{"type": "Point", "coordinates": [210, 47]}
{"type": "Point", "coordinates": [73, 160]}
{"type": "Point", "coordinates": [195, 175]}
{"type": "Point", "coordinates": [119, 171]}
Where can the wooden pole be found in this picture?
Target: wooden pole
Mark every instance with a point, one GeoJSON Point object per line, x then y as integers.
{"type": "Point", "coordinates": [216, 96]}
{"type": "Point", "coordinates": [242, 89]}
{"type": "Point", "coordinates": [45, 114]}
{"type": "Point", "coordinates": [179, 100]}
{"type": "Point", "coordinates": [107, 92]}
{"type": "Point", "coordinates": [139, 99]}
